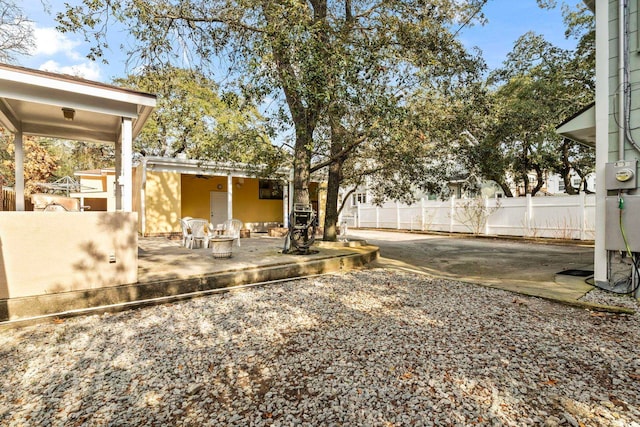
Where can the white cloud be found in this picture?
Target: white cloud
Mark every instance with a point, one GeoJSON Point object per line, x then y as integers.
{"type": "Point", "coordinates": [50, 42]}
{"type": "Point", "coordinates": [60, 54]}
{"type": "Point", "coordinates": [86, 70]}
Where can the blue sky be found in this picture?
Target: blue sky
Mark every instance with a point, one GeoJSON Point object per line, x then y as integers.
{"type": "Point", "coordinates": [508, 20]}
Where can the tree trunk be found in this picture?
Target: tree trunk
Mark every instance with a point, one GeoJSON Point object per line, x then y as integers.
{"type": "Point", "coordinates": [331, 210]}
{"type": "Point", "coordinates": [301, 167]}
{"type": "Point", "coordinates": [504, 186]}
{"type": "Point", "coordinates": [539, 180]}
{"type": "Point", "coordinates": [566, 169]}
{"type": "Point", "coordinates": [338, 137]}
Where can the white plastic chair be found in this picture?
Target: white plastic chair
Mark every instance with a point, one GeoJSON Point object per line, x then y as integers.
{"type": "Point", "coordinates": [232, 228]}
{"type": "Point", "coordinates": [187, 237]}
{"type": "Point", "coordinates": [199, 231]}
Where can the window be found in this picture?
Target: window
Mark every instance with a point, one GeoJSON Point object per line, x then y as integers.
{"type": "Point", "coordinates": [561, 185]}
{"type": "Point", "coordinates": [358, 198]}
{"type": "Point", "coordinates": [270, 189]}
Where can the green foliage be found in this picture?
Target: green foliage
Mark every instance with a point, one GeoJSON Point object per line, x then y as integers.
{"type": "Point", "coordinates": [193, 118]}
{"type": "Point", "coordinates": [314, 59]}
{"type": "Point", "coordinates": [538, 87]}
{"type": "Point", "coordinates": [40, 162]}
{"type": "Point", "coordinates": [76, 156]}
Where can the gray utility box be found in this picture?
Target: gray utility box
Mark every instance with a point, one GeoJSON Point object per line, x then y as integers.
{"type": "Point", "coordinates": [630, 221]}
{"type": "Point", "coordinates": [621, 175]}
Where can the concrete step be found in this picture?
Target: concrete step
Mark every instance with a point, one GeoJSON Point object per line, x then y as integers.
{"type": "Point", "coordinates": [574, 276]}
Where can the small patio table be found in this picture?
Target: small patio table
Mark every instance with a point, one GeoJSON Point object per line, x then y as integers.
{"type": "Point", "coordinates": [221, 247]}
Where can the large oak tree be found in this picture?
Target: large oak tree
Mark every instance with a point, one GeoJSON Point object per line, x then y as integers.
{"type": "Point", "coordinates": [300, 52]}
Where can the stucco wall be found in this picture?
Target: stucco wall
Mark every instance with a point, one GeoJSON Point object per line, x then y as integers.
{"type": "Point", "coordinates": [249, 208]}
{"type": "Point", "coordinates": [51, 252]}
{"type": "Point", "coordinates": [163, 199]}
{"type": "Point", "coordinates": [170, 196]}
{"type": "Point", "coordinates": [195, 194]}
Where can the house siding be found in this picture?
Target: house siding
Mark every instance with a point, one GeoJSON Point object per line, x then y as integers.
{"type": "Point", "coordinates": [634, 79]}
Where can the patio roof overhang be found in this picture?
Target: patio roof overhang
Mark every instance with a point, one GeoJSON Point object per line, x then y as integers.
{"type": "Point", "coordinates": [591, 4]}
{"type": "Point", "coordinates": [580, 127]}
{"type": "Point", "coordinates": [40, 103]}
{"type": "Point", "coordinates": [31, 102]}
{"type": "Point", "coordinates": [202, 167]}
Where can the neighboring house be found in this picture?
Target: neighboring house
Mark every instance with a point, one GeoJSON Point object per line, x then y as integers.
{"type": "Point", "coordinates": [553, 186]}
{"type": "Point", "coordinates": [97, 190]}
{"type": "Point", "coordinates": [611, 125]}
{"type": "Point", "coordinates": [167, 189]}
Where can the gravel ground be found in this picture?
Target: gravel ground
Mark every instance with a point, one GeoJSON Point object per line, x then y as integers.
{"type": "Point", "coordinates": [366, 348]}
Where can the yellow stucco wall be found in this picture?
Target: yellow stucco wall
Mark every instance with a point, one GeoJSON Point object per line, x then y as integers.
{"type": "Point", "coordinates": [248, 207]}
{"type": "Point", "coordinates": [163, 202]}
{"type": "Point", "coordinates": [170, 196]}
{"type": "Point", "coordinates": [195, 194]}
{"type": "Point", "coordinates": [94, 182]}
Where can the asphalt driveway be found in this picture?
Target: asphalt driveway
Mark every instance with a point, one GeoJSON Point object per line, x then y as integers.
{"type": "Point", "coordinates": [509, 264]}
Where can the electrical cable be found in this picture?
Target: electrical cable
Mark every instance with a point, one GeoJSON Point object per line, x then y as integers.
{"type": "Point", "coordinates": [627, 282]}
{"type": "Point", "coordinates": [621, 224]}
{"type": "Point", "coordinates": [635, 260]}
{"type": "Point", "coordinates": [626, 90]}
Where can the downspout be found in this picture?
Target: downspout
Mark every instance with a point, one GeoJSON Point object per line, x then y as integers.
{"type": "Point", "coordinates": [622, 80]}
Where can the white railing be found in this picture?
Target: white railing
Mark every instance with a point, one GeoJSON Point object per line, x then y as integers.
{"type": "Point", "coordinates": [560, 217]}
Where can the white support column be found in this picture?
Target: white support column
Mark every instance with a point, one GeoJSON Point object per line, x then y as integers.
{"type": "Point", "coordinates": [285, 204]}
{"type": "Point", "coordinates": [602, 136]}
{"type": "Point", "coordinates": [117, 185]}
{"type": "Point", "coordinates": [142, 212]}
{"type": "Point", "coordinates": [397, 215]}
{"type": "Point", "coordinates": [422, 218]}
{"type": "Point", "coordinates": [126, 178]}
{"type": "Point", "coordinates": [358, 218]}
{"type": "Point", "coordinates": [229, 196]}
{"type": "Point", "coordinates": [377, 217]}
{"type": "Point", "coordinates": [19, 170]}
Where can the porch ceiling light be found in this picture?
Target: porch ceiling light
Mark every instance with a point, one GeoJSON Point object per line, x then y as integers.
{"type": "Point", "coordinates": [68, 113]}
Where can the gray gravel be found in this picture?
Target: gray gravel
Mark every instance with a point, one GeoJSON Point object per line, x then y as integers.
{"type": "Point", "coordinates": [367, 348]}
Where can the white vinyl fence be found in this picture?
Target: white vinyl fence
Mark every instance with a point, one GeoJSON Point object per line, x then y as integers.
{"type": "Point", "coordinates": [560, 217]}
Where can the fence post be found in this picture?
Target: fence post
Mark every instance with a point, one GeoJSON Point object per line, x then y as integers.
{"type": "Point", "coordinates": [452, 213]}
{"type": "Point", "coordinates": [486, 222]}
{"type": "Point", "coordinates": [529, 215]}
{"type": "Point", "coordinates": [583, 202]}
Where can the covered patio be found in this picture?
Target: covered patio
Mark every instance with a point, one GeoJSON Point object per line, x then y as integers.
{"type": "Point", "coordinates": [43, 253]}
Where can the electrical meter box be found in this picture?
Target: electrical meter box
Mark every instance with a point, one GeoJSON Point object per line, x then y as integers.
{"type": "Point", "coordinates": [627, 219]}
{"type": "Point", "coordinates": [621, 175]}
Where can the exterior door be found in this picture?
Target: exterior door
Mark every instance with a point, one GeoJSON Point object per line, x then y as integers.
{"type": "Point", "coordinates": [218, 203]}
